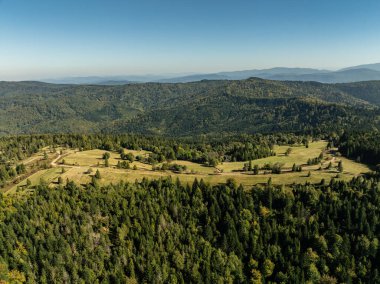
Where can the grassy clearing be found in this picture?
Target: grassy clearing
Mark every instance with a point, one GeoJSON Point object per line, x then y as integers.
{"type": "Point", "coordinates": [353, 168]}
{"type": "Point", "coordinates": [115, 175]}
{"type": "Point", "coordinates": [196, 168]}
{"type": "Point", "coordinates": [299, 155]}
{"type": "Point", "coordinates": [94, 158]}
{"type": "Point", "coordinates": [89, 158]}
{"type": "Point", "coordinates": [48, 175]}
{"type": "Point", "coordinates": [77, 165]}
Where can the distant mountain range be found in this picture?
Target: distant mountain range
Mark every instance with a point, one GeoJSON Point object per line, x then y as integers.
{"type": "Point", "coordinates": [359, 73]}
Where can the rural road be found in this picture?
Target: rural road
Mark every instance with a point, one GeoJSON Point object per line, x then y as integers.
{"type": "Point", "coordinates": [54, 162]}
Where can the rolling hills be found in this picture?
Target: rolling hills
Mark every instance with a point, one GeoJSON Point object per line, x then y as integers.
{"type": "Point", "coordinates": [252, 105]}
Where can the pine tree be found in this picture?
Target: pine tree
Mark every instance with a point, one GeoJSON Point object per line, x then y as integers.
{"type": "Point", "coordinates": [294, 168]}
{"type": "Point", "coordinates": [256, 170]}
{"type": "Point", "coordinates": [340, 166]}
{"type": "Point", "coordinates": [250, 166]}
{"type": "Point", "coordinates": [97, 174]}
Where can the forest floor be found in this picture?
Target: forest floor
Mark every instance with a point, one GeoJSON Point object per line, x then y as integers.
{"type": "Point", "coordinates": [79, 166]}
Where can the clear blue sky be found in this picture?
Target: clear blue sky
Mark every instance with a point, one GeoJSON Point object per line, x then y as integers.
{"type": "Point", "coordinates": [55, 38]}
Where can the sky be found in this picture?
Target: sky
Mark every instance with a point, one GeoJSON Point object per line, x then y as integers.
{"type": "Point", "coordinates": [67, 38]}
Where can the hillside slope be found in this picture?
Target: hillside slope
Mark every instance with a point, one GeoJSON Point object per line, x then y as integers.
{"type": "Point", "coordinates": [368, 91]}
{"type": "Point", "coordinates": [184, 109]}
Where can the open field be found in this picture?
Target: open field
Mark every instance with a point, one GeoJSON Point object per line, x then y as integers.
{"type": "Point", "coordinates": [196, 168]}
{"type": "Point", "coordinates": [93, 158]}
{"type": "Point", "coordinates": [35, 165]}
{"type": "Point", "coordinates": [48, 175]}
{"type": "Point", "coordinates": [299, 155]}
{"type": "Point", "coordinates": [77, 164]}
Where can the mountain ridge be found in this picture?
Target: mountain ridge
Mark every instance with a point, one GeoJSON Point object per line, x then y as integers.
{"type": "Point", "coordinates": [358, 73]}
{"type": "Point", "coordinates": [252, 105]}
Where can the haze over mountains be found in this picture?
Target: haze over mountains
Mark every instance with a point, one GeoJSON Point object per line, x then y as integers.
{"type": "Point", "coordinates": [366, 72]}
{"type": "Point", "coordinates": [277, 99]}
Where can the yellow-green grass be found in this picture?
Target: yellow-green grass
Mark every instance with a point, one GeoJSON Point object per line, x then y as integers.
{"type": "Point", "coordinates": [78, 174]}
{"type": "Point", "coordinates": [141, 166]}
{"type": "Point", "coordinates": [142, 153]}
{"type": "Point", "coordinates": [89, 158]}
{"type": "Point", "coordinates": [37, 156]}
{"type": "Point", "coordinates": [299, 155]}
{"type": "Point", "coordinates": [95, 157]}
{"type": "Point", "coordinates": [195, 168]}
{"type": "Point", "coordinates": [32, 159]}
{"type": "Point", "coordinates": [78, 163]}
{"type": "Point", "coordinates": [48, 175]}
{"type": "Point", "coordinates": [112, 175]}
{"type": "Point", "coordinates": [351, 167]}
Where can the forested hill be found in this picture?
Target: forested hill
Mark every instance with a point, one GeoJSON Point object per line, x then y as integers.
{"type": "Point", "coordinates": [253, 105]}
